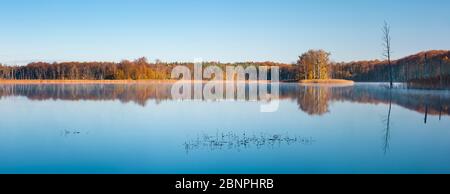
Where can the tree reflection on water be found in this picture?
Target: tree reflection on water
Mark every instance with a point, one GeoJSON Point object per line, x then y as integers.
{"type": "Point", "coordinates": [311, 99]}
{"type": "Point", "coordinates": [314, 100]}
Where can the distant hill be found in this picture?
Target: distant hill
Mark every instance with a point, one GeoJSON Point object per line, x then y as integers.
{"type": "Point", "coordinates": [424, 67]}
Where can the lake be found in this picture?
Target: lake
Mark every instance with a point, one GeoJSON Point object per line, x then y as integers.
{"type": "Point", "coordinates": [139, 128]}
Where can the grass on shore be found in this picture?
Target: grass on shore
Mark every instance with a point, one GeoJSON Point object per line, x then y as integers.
{"type": "Point", "coordinates": [326, 81]}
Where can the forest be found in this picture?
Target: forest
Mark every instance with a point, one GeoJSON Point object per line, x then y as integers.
{"type": "Point", "coordinates": [430, 67]}
{"type": "Point", "coordinates": [139, 69]}
{"type": "Point", "coordinates": [422, 66]}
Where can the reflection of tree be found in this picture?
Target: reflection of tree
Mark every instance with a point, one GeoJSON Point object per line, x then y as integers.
{"type": "Point", "coordinates": [138, 93]}
{"type": "Point", "coordinates": [387, 132]}
{"type": "Point", "coordinates": [314, 100]}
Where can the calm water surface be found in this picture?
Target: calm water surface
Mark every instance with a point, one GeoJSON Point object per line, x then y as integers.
{"type": "Point", "coordinates": [138, 128]}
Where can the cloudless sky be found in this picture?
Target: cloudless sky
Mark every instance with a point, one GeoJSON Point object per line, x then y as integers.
{"type": "Point", "coordinates": [217, 30]}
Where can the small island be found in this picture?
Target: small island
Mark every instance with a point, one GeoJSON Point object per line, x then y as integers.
{"type": "Point", "coordinates": [316, 69]}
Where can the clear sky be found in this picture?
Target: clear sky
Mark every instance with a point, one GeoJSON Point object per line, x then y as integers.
{"type": "Point", "coordinates": [218, 30]}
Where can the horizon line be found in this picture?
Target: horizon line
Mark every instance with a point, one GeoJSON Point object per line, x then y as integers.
{"type": "Point", "coordinates": [26, 62]}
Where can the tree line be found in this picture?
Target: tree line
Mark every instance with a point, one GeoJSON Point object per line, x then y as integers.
{"type": "Point", "coordinates": [431, 66]}
{"type": "Point", "coordinates": [424, 67]}
{"type": "Point", "coordinates": [139, 69]}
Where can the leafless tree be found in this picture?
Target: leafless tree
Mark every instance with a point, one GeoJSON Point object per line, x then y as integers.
{"type": "Point", "coordinates": [387, 49]}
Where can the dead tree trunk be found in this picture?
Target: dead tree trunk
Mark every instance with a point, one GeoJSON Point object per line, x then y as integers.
{"type": "Point", "coordinates": [387, 49]}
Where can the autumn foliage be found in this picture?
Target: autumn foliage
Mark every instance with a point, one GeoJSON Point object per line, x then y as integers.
{"type": "Point", "coordinates": [431, 68]}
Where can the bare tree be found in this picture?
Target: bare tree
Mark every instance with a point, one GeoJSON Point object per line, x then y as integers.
{"type": "Point", "coordinates": [387, 49]}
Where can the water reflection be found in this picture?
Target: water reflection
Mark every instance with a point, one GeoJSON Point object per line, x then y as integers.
{"type": "Point", "coordinates": [365, 128]}
{"type": "Point", "coordinates": [234, 141]}
{"type": "Point", "coordinates": [313, 100]}
{"type": "Point", "coordinates": [387, 132]}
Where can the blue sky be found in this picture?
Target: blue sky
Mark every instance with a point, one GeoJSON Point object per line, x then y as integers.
{"type": "Point", "coordinates": [218, 30]}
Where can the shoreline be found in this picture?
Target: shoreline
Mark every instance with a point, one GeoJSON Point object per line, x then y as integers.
{"type": "Point", "coordinates": [327, 81]}
{"type": "Point", "coordinates": [168, 81]}
{"type": "Point", "coordinates": [115, 81]}
{"type": "Point", "coordinates": [81, 81]}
